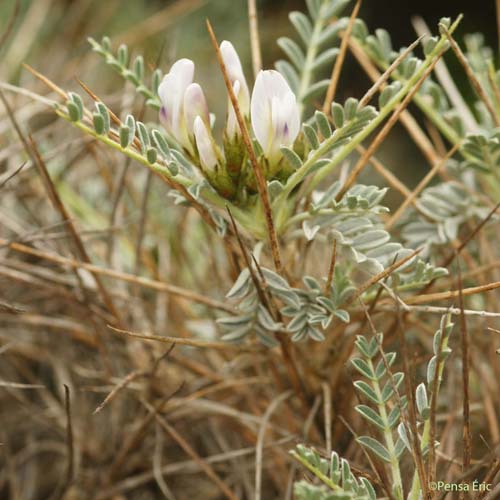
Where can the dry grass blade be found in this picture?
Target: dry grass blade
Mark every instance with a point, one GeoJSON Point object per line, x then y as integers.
{"type": "Point", "coordinates": [142, 222]}
{"type": "Point", "coordinates": [327, 406]}
{"type": "Point", "coordinates": [331, 268]}
{"type": "Point", "coordinates": [382, 275]}
{"type": "Point", "coordinates": [253, 22]}
{"type": "Point", "coordinates": [407, 120]}
{"type": "Point", "coordinates": [267, 301]}
{"type": "Point", "coordinates": [382, 79]}
{"type": "Point", "coordinates": [452, 294]}
{"type": "Point", "coordinates": [132, 440]}
{"type": "Point", "coordinates": [446, 81]}
{"type": "Point", "coordinates": [493, 494]}
{"type": "Point", "coordinates": [112, 115]}
{"type": "Point", "coordinates": [392, 180]}
{"type": "Point", "coordinates": [490, 475]}
{"type": "Point", "coordinates": [130, 278]}
{"type": "Point", "coordinates": [471, 235]}
{"type": "Point", "coordinates": [431, 464]}
{"type": "Point", "coordinates": [10, 308]}
{"type": "Point", "coordinates": [58, 90]}
{"type": "Point", "coordinates": [123, 383]}
{"type": "Point", "coordinates": [464, 243]}
{"type": "Point", "coordinates": [192, 453]}
{"type": "Point", "coordinates": [467, 440]}
{"type": "Point", "coordinates": [420, 187]}
{"type": "Point", "coordinates": [12, 175]}
{"type": "Point", "coordinates": [257, 170]}
{"type": "Point", "coordinates": [472, 77]}
{"type": "Point", "coordinates": [439, 310]}
{"type": "Point", "coordinates": [32, 150]}
{"type": "Point", "coordinates": [337, 68]}
{"type": "Point", "coordinates": [260, 441]}
{"type": "Point", "coordinates": [258, 286]}
{"type": "Point", "coordinates": [380, 137]}
{"type": "Point", "coordinates": [67, 326]}
{"type": "Point", "coordinates": [203, 344]}
{"type": "Point", "coordinates": [60, 207]}
{"type": "Point", "coordinates": [129, 379]}
{"type": "Point", "coordinates": [157, 459]}
{"type": "Point", "coordinates": [17, 385]}
{"type": "Point", "coordinates": [187, 466]}
{"type": "Point", "coordinates": [69, 438]}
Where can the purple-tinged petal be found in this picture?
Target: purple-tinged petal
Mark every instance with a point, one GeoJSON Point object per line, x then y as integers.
{"type": "Point", "coordinates": [274, 113]}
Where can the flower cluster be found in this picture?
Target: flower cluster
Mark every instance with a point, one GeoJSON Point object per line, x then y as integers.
{"type": "Point", "coordinates": [271, 111]}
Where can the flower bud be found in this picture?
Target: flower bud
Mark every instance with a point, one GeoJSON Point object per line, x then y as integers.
{"type": "Point", "coordinates": [212, 160]}
{"type": "Point", "coordinates": [205, 145]}
{"type": "Point", "coordinates": [232, 126]}
{"type": "Point", "coordinates": [235, 73]}
{"type": "Point", "coordinates": [240, 89]}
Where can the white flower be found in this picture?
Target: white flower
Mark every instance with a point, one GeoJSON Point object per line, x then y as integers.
{"type": "Point", "coordinates": [195, 105]}
{"type": "Point", "coordinates": [239, 84]}
{"type": "Point", "coordinates": [274, 114]}
{"type": "Point", "coordinates": [182, 101]}
{"type": "Point", "coordinates": [205, 145]}
{"type": "Point", "coordinates": [232, 127]}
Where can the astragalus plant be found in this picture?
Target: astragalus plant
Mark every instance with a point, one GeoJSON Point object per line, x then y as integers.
{"type": "Point", "coordinates": [272, 269]}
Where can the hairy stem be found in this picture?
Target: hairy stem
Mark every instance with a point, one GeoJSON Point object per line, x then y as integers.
{"type": "Point", "coordinates": [416, 487]}
{"type": "Point", "coordinates": [312, 51]}
{"type": "Point", "coordinates": [389, 440]}
{"type": "Point", "coordinates": [304, 170]}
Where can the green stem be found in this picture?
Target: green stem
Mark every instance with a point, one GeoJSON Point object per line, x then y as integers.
{"type": "Point", "coordinates": [304, 170]}
{"type": "Point", "coordinates": [139, 83]}
{"type": "Point", "coordinates": [247, 220]}
{"type": "Point", "coordinates": [384, 112]}
{"type": "Point", "coordinates": [389, 440]}
{"type": "Point", "coordinates": [316, 472]}
{"type": "Point", "coordinates": [424, 442]}
{"type": "Point", "coordinates": [427, 108]}
{"type": "Point", "coordinates": [312, 51]}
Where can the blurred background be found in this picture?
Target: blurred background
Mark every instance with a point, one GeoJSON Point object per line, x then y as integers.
{"type": "Point", "coordinates": [178, 25]}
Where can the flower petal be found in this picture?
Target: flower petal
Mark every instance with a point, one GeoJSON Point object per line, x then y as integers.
{"type": "Point", "coordinates": [260, 111]}
{"type": "Point", "coordinates": [195, 105]}
{"type": "Point", "coordinates": [274, 113]}
{"type": "Point", "coordinates": [171, 92]}
{"type": "Point", "coordinates": [285, 119]}
{"type": "Point", "coordinates": [183, 71]}
{"type": "Point", "coordinates": [275, 83]}
{"type": "Point", "coordinates": [232, 127]}
{"type": "Point", "coordinates": [235, 73]}
{"type": "Point", "coordinates": [204, 143]}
